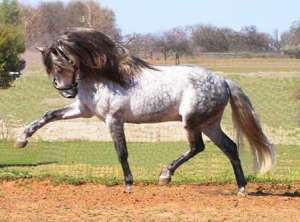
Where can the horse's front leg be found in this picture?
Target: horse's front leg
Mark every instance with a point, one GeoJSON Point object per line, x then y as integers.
{"type": "Point", "coordinates": [116, 127]}
{"type": "Point", "coordinates": [75, 110]}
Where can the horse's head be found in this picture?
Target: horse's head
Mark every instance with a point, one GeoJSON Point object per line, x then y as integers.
{"type": "Point", "coordinates": [62, 69]}
{"type": "Point", "coordinates": [80, 52]}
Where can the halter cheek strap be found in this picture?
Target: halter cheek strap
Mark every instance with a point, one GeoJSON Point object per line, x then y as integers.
{"type": "Point", "coordinates": [74, 82]}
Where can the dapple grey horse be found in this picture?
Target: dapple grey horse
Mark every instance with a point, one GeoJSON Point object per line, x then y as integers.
{"type": "Point", "coordinates": [119, 88]}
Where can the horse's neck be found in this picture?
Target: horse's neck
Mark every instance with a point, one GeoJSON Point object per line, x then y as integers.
{"type": "Point", "coordinates": [93, 91]}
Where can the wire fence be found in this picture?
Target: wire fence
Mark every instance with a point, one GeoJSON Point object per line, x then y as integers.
{"type": "Point", "coordinates": [82, 148]}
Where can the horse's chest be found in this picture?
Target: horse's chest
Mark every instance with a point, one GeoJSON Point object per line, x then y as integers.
{"type": "Point", "coordinates": [98, 103]}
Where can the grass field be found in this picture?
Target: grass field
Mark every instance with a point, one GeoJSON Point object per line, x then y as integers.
{"type": "Point", "coordinates": [270, 83]}
{"type": "Point", "coordinates": [275, 90]}
{"type": "Point", "coordinates": [266, 93]}
{"type": "Point", "coordinates": [79, 161]}
{"type": "Point", "coordinates": [271, 90]}
{"type": "Point", "coordinates": [241, 65]}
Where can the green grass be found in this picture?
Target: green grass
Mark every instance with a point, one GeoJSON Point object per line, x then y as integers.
{"type": "Point", "coordinates": [77, 162]}
{"type": "Point", "coordinates": [28, 99]}
{"type": "Point", "coordinates": [272, 96]}
{"type": "Point", "coordinates": [241, 65]}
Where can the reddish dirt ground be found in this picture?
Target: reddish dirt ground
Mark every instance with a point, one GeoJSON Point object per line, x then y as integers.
{"type": "Point", "coordinates": [43, 201]}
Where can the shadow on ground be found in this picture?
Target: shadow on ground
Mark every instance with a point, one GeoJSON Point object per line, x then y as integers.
{"type": "Point", "coordinates": [27, 164]}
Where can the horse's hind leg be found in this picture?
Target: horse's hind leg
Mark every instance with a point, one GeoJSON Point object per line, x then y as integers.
{"type": "Point", "coordinates": [230, 149]}
{"type": "Point", "coordinates": [196, 146]}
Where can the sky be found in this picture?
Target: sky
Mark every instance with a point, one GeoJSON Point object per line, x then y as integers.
{"type": "Point", "coordinates": [152, 16]}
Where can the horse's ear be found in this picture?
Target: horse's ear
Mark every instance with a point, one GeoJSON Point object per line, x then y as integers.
{"type": "Point", "coordinates": [41, 49]}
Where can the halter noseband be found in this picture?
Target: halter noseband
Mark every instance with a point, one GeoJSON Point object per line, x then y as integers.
{"type": "Point", "coordinates": [74, 84]}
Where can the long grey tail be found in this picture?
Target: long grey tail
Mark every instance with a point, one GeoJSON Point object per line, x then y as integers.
{"type": "Point", "coordinates": [246, 123]}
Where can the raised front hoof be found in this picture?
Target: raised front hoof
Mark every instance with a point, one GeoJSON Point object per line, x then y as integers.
{"type": "Point", "coordinates": [242, 192]}
{"type": "Point", "coordinates": [128, 189]}
{"type": "Point", "coordinates": [21, 143]}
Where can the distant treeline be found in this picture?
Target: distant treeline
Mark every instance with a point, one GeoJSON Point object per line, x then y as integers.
{"type": "Point", "coordinates": [45, 21]}
{"type": "Point", "coordinates": [195, 40]}
{"type": "Point", "coordinates": [198, 39]}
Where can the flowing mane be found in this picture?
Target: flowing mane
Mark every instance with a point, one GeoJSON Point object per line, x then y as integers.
{"type": "Point", "coordinates": [94, 52]}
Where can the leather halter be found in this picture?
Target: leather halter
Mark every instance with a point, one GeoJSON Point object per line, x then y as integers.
{"type": "Point", "coordinates": [74, 84]}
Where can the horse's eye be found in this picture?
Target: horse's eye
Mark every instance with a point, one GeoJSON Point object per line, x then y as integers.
{"type": "Point", "coordinates": [59, 70]}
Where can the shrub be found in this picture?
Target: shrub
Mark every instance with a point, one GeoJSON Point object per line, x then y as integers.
{"type": "Point", "coordinates": [293, 52]}
{"type": "Point", "coordinates": [11, 43]}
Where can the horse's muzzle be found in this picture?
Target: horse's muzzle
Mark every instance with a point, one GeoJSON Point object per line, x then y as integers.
{"type": "Point", "coordinates": [69, 94]}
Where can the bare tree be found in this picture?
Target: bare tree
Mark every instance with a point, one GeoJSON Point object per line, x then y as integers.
{"type": "Point", "coordinates": [49, 19]}
{"type": "Point", "coordinates": [292, 36]}
{"type": "Point", "coordinates": [77, 14]}
{"type": "Point", "coordinates": [214, 39]}
{"type": "Point", "coordinates": [164, 46]}
{"type": "Point", "coordinates": [103, 19]}
{"type": "Point", "coordinates": [143, 45]}
{"type": "Point", "coordinates": [179, 42]}
{"type": "Point", "coordinates": [209, 39]}
{"type": "Point", "coordinates": [175, 41]}
{"type": "Point", "coordinates": [256, 41]}
{"type": "Point", "coordinates": [44, 22]}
